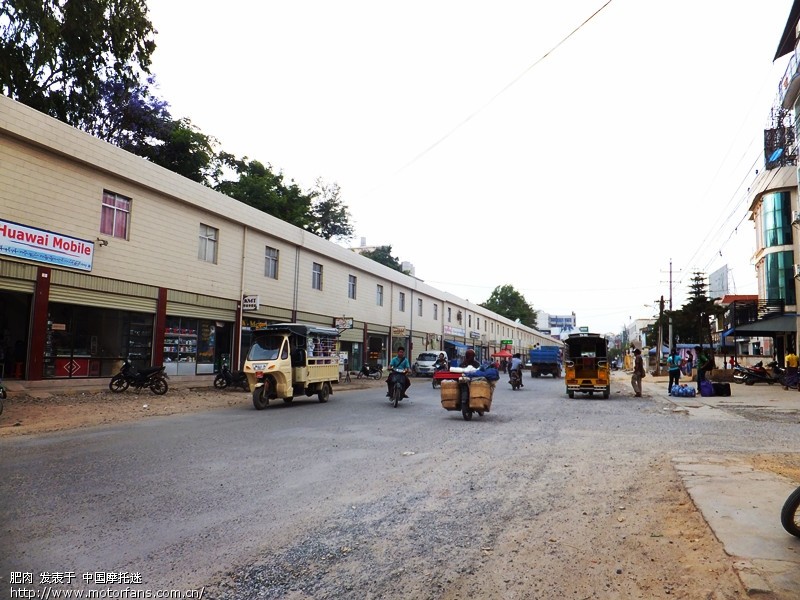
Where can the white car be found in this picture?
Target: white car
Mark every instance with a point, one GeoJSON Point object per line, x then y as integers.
{"type": "Point", "coordinates": [424, 364]}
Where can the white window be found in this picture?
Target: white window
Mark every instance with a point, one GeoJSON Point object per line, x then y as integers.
{"type": "Point", "coordinates": [209, 238]}
{"type": "Point", "coordinates": [316, 276]}
{"type": "Point", "coordinates": [402, 306]}
{"type": "Point", "coordinates": [351, 287]}
{"type": "Point", "coordinates": [379, 295]}
{"type": "Point", "coordinates": [419, 307]}
{"type": "Point", "coordinates": [115, 215]}
{"type": "Point", "coordinates": [435, 312]}
{"type": "Point", "coordinates": [271, 263]}
{"type": "Point", "coordinates": [449, 314]}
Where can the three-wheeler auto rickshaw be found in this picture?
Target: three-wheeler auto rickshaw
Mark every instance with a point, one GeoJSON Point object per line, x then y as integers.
{"type": "Point", "coordinates": [586, 367]}
{"type": "Point", "coordinates": [290, 359]}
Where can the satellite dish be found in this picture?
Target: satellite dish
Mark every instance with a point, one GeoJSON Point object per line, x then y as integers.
{"type": "Point", "coordinates": [775, 155]}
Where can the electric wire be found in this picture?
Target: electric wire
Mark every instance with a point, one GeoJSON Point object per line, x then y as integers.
{"type": "Point", "coordinates": [491, 100]}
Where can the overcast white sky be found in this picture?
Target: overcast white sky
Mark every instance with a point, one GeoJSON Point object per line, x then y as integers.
{"type": "Point", "coordinates": [631, 144]}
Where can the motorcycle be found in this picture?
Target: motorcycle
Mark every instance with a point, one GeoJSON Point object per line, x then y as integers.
{"type": "Point", "coordinates": [398, 380]}
{"type": "Point", "coordinates": [758, 374]}
{"type": "Point", "coordinates": [790, 515]}
{"type": "Point", "coordinates": [227, 378]}
{"type": "Point", "coordinates": [375, 372]}
{"type": "Point", "coordinates": [515, 379]}
{"type": "Point", "coordinates": [152, 377]}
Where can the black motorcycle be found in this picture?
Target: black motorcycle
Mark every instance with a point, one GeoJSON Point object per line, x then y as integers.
{"type": "Point", "coordinates": [227, 378]}
{"type": "Point", "coordinates": [759, 374]}
{"type": "Point", "coordinates": [375, 372]}
{"type": "Point", "coordinates": [515, 379]}
{"type": "Point", "coordinates": [152, 377]}
{"type": "Point", "coordinates": [790, 515]}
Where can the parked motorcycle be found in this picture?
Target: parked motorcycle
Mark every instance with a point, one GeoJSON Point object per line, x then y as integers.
{"type": "Point", "coordinates": [152, 377]}
{"type": "Point", "coordinates": [790, 513]}
{"type": "Point", "coordinates": [227, 378]}
{"type": "Point", "coordinates": [758, 374]}
{"type": "Point", "coordinates": [515, 379]}
{"type": "Point", "coordinates": [375, 372]}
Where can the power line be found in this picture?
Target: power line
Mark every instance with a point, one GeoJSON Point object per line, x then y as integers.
{"type": "Point", "coordinates": [504, 89]}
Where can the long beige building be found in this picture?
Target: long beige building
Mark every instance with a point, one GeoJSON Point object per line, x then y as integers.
{"type": "Point", "coordinates": [104, 255]}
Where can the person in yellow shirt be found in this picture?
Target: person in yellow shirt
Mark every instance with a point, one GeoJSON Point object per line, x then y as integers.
{"type": "Point", "coordinates": [791, 370]}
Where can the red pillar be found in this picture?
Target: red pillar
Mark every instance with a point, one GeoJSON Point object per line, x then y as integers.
{"type": "Point", "coordinates": [41, 301]}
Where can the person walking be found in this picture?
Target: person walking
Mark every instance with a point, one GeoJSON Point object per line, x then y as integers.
{"type": "Point", "coordinates": [702, 365]}
{"type": "Point", "coordinates": [638, 373]}
{"type": "Point", "coordinates": [791, 370]}
{"type": "Point", "coordinates": [674, 365]}
{"type": "Point", "coordinates": [689, 364]}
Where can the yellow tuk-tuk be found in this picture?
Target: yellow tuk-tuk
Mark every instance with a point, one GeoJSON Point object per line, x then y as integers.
{"type": "Point", "coordinates": [289, 359]}
{"type": "Point", "coordinates": [586, 367]}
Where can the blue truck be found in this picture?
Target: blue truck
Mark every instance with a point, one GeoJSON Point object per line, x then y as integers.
{"type": "Point", "coordinates": [546, 360]}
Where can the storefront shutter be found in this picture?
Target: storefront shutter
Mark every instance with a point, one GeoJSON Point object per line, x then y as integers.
{"type": "Point", "coordinates": [100, 299]}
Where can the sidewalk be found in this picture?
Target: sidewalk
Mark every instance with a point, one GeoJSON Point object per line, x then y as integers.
{"type": "Point", "coordinates": [741, 504]}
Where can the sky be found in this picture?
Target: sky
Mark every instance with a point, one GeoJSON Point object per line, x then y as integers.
{"type": "Point", "coordinates": [504, 142]}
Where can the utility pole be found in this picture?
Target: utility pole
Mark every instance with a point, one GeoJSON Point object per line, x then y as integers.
{"type": "Point", "coordinates": [660, 335]}
{"type": "Point", "coordinates": [671, 339]}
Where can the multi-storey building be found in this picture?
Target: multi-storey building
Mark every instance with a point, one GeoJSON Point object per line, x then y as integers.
{"type": "Point", "coordinates": [774, 211]}
{"type": "Point", "coordinates": [104, 255]}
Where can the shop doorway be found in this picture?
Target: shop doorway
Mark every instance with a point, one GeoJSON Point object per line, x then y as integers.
{"type": "Point", "coordinates": [15, 314]}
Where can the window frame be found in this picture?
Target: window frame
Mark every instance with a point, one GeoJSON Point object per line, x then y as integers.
{"type": "Point", "coordinates": [113, 208]}
{"type": "Point", "coordinates": [352, 286]}
{"type": "Point", "coordinates": [271, 263]}
{"type": "Point", "coordinates": [401, 303]}
{"type": "Point", "coordinates": [207, 241]}
{"type": "Point", "coordinates": [379, 295]}
{"type": "Point", "coordinates": [316, 276]}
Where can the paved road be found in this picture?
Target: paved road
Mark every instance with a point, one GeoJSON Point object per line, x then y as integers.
{"type": "Point", "coordinates": [182, 500]}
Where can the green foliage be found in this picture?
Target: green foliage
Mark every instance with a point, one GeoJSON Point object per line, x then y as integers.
{"type": "Point", "coordinates": [510, 303]}
{"type": "Point", "coordinates": [258, 186]}
{"type": "Point", "coordinates": [56, 54]}
{"type": "Point", "coordinates": [330, 218]}
{"type": "Point", "coordinates": [383, 255]}
{"type": "Point", "coordinates": [691, 323]}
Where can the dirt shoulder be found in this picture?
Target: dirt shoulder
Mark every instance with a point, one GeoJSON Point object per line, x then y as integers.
{"type": "Point", "coordinates": [28, 413]}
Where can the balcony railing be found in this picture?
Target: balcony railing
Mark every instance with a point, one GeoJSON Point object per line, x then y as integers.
{"type": "Point", "coordinates": [742, 312]}
{"type": "Point", "coordinates": [787, 81]}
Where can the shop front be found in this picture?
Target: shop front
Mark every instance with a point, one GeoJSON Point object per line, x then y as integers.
{"type": "Point", "coordinates": [88, 341]}
{"type": "Point", "coordinates": [377, 338]}
{"type": "Point", "coordinates": [15, 314]}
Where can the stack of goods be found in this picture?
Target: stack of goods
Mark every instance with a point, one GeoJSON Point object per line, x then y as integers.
{"type": "Point", "coordinates": [683, 391]}
{"type": "Point", "coordinates": [480, 395]}
{"type": "Point", "coordinates": [449, 391]}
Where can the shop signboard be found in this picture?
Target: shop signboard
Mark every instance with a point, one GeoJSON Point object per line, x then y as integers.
{"type": "Point", "coordinates": [506, 342]}
{"type": "Point", "coordinates": [398, 330]}
{"type": "Point", "coordinates": [250, 303]}
{"type": "Point", "coordinates": [41, 245]}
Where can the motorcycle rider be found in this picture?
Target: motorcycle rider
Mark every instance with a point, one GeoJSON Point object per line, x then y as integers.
{"type": "Point", "coordinates": [441, 364]}
{"type": "Point", "coordinates": [516, 365]}
{"type": "Point", "coordinates": [399, 367]}
{"type": "Point", "coordinates": [469, 360]}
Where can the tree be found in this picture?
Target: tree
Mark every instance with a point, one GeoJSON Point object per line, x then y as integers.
{"type": "Point", "coordinates": [691, 322]}
{"type": "Point", "coordinates": [383, 255]}
{"type": "Point", "coordinates": [330, 218]}
{"type": "Point", "coordinates": [508, 302]}
{"type": "Point", "coordinates": [258, 186]}
{"type": "Point", "coordinates": [55, 55]}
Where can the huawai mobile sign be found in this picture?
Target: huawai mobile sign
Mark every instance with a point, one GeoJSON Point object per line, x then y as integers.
{"type": "Point", "coordinates": [40, 245]}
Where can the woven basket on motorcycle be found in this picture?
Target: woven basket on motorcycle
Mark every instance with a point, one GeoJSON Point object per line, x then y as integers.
{"type": "Point", "coordinates": [480, 394]}
{"type": "Point", "coordinates": [449, 391]}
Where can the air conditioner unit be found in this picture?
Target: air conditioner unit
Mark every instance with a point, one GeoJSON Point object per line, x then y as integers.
{"type": "Point", "coordinates": [797, 271]}
{"type": "Point", "coordinates": [796, 217]}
